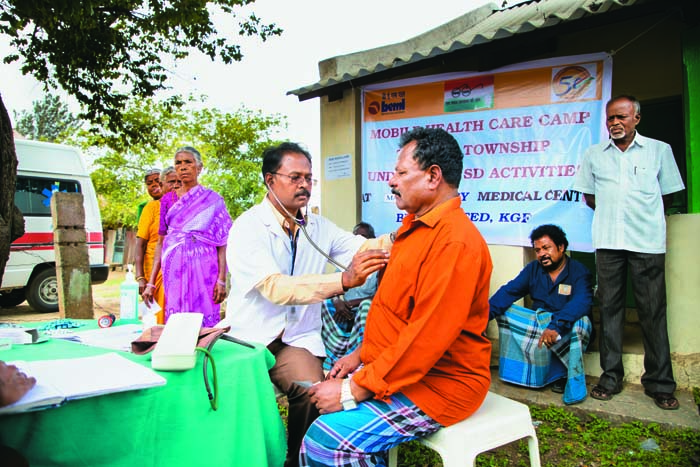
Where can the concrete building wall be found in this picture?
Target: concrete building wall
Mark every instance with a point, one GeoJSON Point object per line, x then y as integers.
{"type": "Point", "coordinates": [340, 134]}
{"type": "Point", "coordinates": [648, 63]}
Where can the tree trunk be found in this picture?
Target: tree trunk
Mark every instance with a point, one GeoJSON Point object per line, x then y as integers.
{"type": "Point", "coordinates": [11, 220]}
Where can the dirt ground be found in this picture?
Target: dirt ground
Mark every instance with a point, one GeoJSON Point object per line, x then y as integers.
{"type": "Point", "coordinates": [105, 298]}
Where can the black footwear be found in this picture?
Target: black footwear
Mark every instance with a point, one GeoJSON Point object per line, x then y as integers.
{"type": "Point", "coordinates": [663, 400]}
{"type": "Point", "coordinates": [602, 394]}
{"type": "Point", "coordinates": [559, 385]}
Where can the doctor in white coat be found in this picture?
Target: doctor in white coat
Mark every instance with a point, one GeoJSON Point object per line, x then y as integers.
{"type": "Point", "coordinates": [278, 280]}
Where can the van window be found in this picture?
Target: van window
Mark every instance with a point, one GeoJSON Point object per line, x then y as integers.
{"type": "Point", "coordinates": [33, 194]}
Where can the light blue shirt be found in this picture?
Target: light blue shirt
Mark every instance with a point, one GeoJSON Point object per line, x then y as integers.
{"type": "Point", "coordinates": [628, 187]}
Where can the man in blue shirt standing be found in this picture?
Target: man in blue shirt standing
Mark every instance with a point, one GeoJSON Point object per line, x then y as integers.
{"type": "Point", "coordinates": [545, 344]}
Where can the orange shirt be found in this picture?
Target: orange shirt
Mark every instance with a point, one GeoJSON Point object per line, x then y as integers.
{"type": "Point", "coordinates": [424, 333]}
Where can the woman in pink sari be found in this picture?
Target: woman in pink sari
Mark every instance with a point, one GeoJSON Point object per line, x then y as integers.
{"type": "Point", "coordinates": [191, 248]}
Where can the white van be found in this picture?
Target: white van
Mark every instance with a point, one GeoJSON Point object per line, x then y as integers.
{"type": "Point", "coordinates": [31, 270]}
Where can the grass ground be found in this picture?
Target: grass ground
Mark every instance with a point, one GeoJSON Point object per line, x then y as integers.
{"type": "Point", "coordinates": [110, 288]}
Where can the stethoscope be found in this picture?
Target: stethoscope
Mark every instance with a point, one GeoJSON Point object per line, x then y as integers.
{"type": "Point", "coordinates": [301, 223]}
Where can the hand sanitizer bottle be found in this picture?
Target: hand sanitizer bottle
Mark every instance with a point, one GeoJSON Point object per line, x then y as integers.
{"type": "Point", "coordinates": [129, 296]}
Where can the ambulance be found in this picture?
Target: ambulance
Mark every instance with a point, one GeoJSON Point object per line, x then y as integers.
{"type": "Point", "coordinates": [30, 274]}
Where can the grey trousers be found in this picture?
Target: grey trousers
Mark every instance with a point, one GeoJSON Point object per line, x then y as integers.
{"type": "Point", "coordinates": [295, 364]}
{"type": "Point", "coordinates": [648, 281]}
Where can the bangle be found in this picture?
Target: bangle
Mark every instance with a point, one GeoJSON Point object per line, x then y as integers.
{"type": "Point", "coordinates": [220, 282]}
{"type": "Point", "coordinates": [150, 286]}
{"type": "Point", "coordinates": [140, 278]}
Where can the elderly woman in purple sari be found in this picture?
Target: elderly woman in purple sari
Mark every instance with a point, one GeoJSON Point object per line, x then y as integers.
{"type": "Point", "coordinates": [191, 248]}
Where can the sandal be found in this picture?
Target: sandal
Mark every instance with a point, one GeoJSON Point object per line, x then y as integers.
{"type": "Point", "coordinates": [559, 386]}
{"type": "Point", "coordinates": [602, 394]}
{"type": "Point", "coordinates": [663, 400]}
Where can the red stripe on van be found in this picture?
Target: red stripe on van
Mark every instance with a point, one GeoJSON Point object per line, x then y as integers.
{"type": "Point", "coordinates": [34, 238]}
{"type": "Point", "coordinates": [38, 239]}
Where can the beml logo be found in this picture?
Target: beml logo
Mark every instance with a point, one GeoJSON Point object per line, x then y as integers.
{"type": "Point", "coordinates": [373, 108]}
{"type": "Point", "coordinates": [394, 106]}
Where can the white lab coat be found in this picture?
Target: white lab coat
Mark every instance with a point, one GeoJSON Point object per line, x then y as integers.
{"type": "Point", "coordinates": [258, 247]}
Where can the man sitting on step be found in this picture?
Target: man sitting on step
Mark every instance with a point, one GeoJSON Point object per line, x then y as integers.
{"type": "Point", "coordinates": [545, 344]}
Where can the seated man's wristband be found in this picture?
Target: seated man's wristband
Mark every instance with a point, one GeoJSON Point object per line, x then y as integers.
{"type": "Point", "coordinates": [346, 399]}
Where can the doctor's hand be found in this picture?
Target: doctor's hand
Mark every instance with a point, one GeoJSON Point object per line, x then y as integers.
{"type": "Point", "coordinates": [363, 264]}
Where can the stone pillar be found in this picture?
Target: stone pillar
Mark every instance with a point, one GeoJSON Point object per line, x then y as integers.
{"type": "Point", "coordinates": [72, 259]}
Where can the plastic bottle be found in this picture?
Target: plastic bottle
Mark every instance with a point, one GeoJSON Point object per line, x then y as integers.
{"type": "Point", "coordinates": [129, 296]}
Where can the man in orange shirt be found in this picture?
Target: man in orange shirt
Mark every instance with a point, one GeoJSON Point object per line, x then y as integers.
{"type": "Point", "coordinates": [424, 361]}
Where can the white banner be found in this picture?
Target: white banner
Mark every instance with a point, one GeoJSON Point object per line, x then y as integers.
{"type": "Point", "coordinates": [522, 130]}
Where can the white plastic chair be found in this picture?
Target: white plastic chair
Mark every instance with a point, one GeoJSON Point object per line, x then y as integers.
{"type": "Point", "coordinates": [498, 421]}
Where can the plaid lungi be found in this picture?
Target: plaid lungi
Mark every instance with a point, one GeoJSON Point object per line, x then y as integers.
{"type": "Point", "coordinates": [341, 337]}
{"type": "Point", "coordinates": [364, 435]}
{"type": "Point", "coordinates": [522, 362]}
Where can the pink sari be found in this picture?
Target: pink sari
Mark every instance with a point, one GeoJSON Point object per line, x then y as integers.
{"type": "Point", "coordinates": [193, 226]}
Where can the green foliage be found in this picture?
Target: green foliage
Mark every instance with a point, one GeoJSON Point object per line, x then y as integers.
{"type": "Point", "coordinates": [50, 120]}
{"type": "Point", "coordinates": [233, 146]}
{"type": "Point", "coordinates": [414, 454]}
{"type": "Point", "coordinates": [106, 52]}
{"type": "Point", "coordinates": [283, 408]}
{"type": "Point", "coordinates": [230, 143]}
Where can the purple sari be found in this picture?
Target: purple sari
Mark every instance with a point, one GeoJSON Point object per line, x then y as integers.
{"type": "Point", "coordinates": [193, 226]}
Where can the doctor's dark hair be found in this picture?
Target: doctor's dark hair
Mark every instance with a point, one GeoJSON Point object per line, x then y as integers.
{"type": "Point", "coordinates": [435, 146]}
{"type": "Point", "coordinates": [272, 156]}
{"type": "Point", "coordinates": [552, 231]}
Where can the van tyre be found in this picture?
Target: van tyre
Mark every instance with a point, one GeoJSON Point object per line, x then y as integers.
{"type": "Point", "coordinates": [11, 298]}
{"type": "Point", "coordinates": [42, 292]}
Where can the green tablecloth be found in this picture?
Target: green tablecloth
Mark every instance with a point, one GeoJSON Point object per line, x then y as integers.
{"type": "Point", "coordinates": [171, 425]}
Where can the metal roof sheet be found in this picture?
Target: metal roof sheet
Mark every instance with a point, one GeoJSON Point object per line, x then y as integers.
{"type": "Point", "coordinates": [483, 25]}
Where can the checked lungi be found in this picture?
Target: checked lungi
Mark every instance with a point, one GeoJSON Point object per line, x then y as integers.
{"type": "Point", "coordinates": [362, 437]}
{"type": "Point", "coordinates": [522, 362]}
{"type": "Point", "coordinates": [341, 336]}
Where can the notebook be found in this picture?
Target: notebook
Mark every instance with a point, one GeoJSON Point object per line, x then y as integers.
{"type": "Point", "coordinates": [59, 381]}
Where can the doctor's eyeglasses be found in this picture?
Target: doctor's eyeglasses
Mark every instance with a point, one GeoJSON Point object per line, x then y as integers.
{"type": "Point", "coordinates": [298, 179]}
